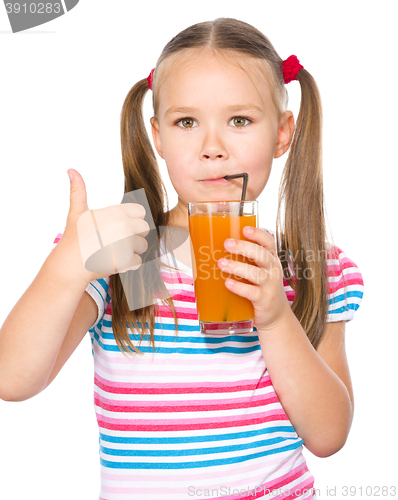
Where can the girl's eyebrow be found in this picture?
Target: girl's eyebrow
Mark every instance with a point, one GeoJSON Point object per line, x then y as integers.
{"type": "Point", "coordinates": [235, 107]}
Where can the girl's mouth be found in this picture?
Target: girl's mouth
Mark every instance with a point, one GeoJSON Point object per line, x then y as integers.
{"type": "Point", "coordinates": [215, 182]}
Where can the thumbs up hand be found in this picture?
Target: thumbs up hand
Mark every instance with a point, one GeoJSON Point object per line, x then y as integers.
{"type": "Point", "coordinates": [109, 239]}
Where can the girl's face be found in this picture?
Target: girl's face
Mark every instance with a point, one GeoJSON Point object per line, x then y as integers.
{"type": "Point", "coordinates": [214, 120]}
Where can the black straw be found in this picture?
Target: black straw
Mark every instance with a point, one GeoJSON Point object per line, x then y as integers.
{"type": "Point", "coordinates": [245, 181]}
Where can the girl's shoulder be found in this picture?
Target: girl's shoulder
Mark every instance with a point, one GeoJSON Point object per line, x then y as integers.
{"type": "Point", "coordinates": [346, 285]}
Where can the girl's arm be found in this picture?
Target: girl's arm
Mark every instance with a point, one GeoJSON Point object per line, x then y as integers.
{"type": "Point", "coordinates": [53, 312]}
{"type": "Point", "coordinates": [52, 316]}
{"type": "Point", "coordinates": [314, 387]}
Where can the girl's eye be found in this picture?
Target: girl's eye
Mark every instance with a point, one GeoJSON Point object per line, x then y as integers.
{"type": "Point", "coordinates": [186, 122]}
{"type": "Point", "coordinates": [239, 121]}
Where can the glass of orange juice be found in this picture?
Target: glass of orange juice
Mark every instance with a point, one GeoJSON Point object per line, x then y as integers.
{"type": "Point", "coordinates": [220, 311]}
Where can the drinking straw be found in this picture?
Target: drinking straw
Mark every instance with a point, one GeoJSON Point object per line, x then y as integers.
{"type": "Point", "coordinates": [245, 181]}
{"type": "Point", "coordinates": [243, 198]}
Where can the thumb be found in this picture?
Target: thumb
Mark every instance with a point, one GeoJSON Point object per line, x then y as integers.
{"type": "Point", "coordinates": [78, 193]}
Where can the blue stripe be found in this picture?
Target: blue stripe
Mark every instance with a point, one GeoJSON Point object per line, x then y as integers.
{"type": "Point", "coordinates": [193, 465]}
{"type": "Point", "coordinates": [339, 298]}
{"type": "Point", "coordinates": [353, 307]}
{"type": "Point", "coordinates": [160, 326]}
{"type": "Point", "coordinates": [192, 340]}
{"type": "Point", "coordinates": [197, 439]}
{"type": "Point", "coordinates": [182, 350]}
{"type": "Point", "coordinates": [186, 328]}
{"type": "Point", "coordinates": [188, 452]}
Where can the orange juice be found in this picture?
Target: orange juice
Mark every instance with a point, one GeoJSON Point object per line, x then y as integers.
{"type": "Point", "coordinates": [208, 232]}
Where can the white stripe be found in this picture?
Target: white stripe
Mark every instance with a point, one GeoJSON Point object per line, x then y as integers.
{"type": "Point", "coordinates": [63, 5]}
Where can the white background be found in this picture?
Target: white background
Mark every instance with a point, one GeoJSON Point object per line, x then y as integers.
{"type": "Point", "coordinates": [62, 88]}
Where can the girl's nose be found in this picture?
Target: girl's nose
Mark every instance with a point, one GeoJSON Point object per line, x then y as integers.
{"type": "Point", "coordinates": [213, 147]}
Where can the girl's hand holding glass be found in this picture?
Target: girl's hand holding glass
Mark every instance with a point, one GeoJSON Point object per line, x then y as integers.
{"type": "Point", "coordinates": [267, 293]}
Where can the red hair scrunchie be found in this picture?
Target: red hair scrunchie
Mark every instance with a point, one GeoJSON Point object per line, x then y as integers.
{"type": "Point", "coordinates": [150, 79]}
{"type": "Point", "coordinates": [291, 66]}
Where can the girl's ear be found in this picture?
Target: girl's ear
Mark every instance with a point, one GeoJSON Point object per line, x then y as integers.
{"type": "Point", "coordinates": [156, 136]}
{"type": "Point", "coordinates": [285, 134]}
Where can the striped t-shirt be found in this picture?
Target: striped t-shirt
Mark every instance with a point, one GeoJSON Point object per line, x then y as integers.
{"type": "Point", "coordinates": [199, 417]}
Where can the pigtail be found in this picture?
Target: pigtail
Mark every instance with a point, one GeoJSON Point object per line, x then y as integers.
{"type": "Point", "coordinates": [302, 246]}
{"type": "Point", "coordinates": [140, 171]}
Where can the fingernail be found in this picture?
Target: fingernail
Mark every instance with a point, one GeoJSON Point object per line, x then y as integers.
{"type": "Point", "coordinates": [230, 243]}
{"type": "Point", "coordinates": [70, 176]}
{"type": "Point", "coordinates": [249, 230]}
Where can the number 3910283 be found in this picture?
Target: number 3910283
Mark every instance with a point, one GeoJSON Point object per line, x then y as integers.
{"type": "Point", "coordinates": [33, 8]}
{"type": "Point", "coordinates": [369, 491]}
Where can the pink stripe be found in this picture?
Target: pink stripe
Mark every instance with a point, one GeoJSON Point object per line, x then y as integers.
{"type": "Point", "coordinates": [183, 279]}
{"type": "Point", "coordinates": [349, 280]}
{"type": "Point", "coordinates": [168, 313]}
{"type": "Point", "coordinates": [345, 264]}
{"type": "Point", "coordinates": [292, 475]}
{"type": "Point", "coordinates": [180, 292]}
{"type": "Point", "coordinates": [222, 474]}
{"type": "Point", "coordinates": [273, 485]}
{"type": "Point", "coordinates": [59, 236]}
{"type": "Point", "coordinates": [185, 297]}
{"type": "Point", "coordinates": [174, 388]}
{"type": "Point", "coordinates": [197, 402]}
{"type": "Point", "coordinates": [295, 491]}
{"type": "Point", "coordinates": [290, 295]}
{"type": "Point", "coordinates": [182, 406]}
{"type": "Point", "coordinates": [190, 424]}
{"type": "Point", "coordinates": [181, 309]}
{"type": "Point", "coordinates": [179, 295]}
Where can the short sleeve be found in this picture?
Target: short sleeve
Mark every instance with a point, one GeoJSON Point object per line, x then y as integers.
{"type": "Point", "coordinates": [345, 286]}
{"type": "Point", "coordinates": [56, 240]}
{"type": "Point", "coordinates": [97, 289]}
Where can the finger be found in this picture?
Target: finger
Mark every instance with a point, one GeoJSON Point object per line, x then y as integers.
{"type": "Point", "coordinates": [250, 292]}
{"type": "Point", "coordinates": [254, 274]}
{"type": "Point", "coordinates": [133, 209]}
{"type": "Point", "coordinates": [253, 251]}
{"type": "Point", "coordinates": [126, 250]}
{"type": "Point", "coordinates": [140, 227]}
{"type": "Point", "coordinates": [262, 237]}
{"type": "Point", "coordinates": [140, 244]}
{"type": "Point", "coordinates": [121, 255]}
{"type": "Point", "coordinates": [78, 194]}
{"type": "Point", "coordinates": [114, 224]}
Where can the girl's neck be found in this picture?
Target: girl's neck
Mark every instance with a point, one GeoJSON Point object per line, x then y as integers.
{"type": "Point", "coordinates": [179, 216]}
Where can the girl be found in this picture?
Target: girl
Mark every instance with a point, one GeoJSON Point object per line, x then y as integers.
{"type": "Point", "coordinates": [182, 415]}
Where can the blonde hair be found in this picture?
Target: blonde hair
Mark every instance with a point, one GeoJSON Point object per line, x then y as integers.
{"type": "Point", "coordinates": [300, 230]}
